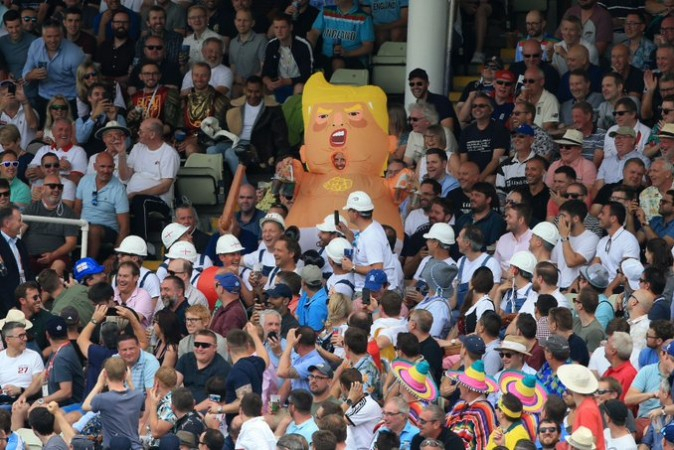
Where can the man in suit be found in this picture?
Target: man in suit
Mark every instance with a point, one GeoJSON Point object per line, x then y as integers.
{"type": "Point", "coordinates": [14, 256]}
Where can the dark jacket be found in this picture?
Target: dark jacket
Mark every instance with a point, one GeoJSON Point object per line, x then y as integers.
{"type": "Point", "coordinates": [270, 132]}
{"type": "Point", "coordinates": [9, 282]}
{"type": "Point", "coordinates": [301, 51]}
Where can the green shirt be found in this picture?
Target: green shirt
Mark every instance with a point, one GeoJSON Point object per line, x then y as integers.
{"type": "Point", "coordinates": [19, 192]}
{"type": "Point", "coordinates": [76, 297]}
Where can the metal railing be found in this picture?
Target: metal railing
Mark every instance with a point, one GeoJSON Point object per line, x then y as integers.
{"type": "Point", "coordinates": [83, 224]}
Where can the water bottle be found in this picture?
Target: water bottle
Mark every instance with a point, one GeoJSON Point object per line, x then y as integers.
{"type": "Point", "coordinates": [296, 14]}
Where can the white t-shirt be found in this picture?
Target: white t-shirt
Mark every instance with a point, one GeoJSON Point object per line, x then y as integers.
{"type": "Point", "coordinates": [76, 156]}
{"type": "Point", "coordinates": [69, 187]}
{"type": "Point", "coordinates": [221, 75]}
{"type": "Point", "coordinates": [19, 120]}
{"type": "Point", "coordinates": [361, 418]}
{"type": "Point", "coordinates": [385, 323]}
{"type": "Point", "coordinates": [469, 267]}
{"type": "Point", "coordinates": [424, 261]}
{"type": "Point", "coordinates": [598, 361]}
{"type": "Point", "coordinates": [415, 219]}
{"type": "Point", "coordinates": [547, 109]}
{"type": "Point", "coordinates": [250, 114]}
{"type": "Point", "coordinates": [372, 247]}
{"type": "Point", "coordinates": [483, 305]}
{"type": "Point", "coordinates": [256, 435]}
{"type": "Point", "coordinates": [150, 167]}
{"type": "Point", "coordinates": [339, 284]}
{"type": "Point", "coordinates": [585, 244]}
{"type": "Point", "coordinates": [623, 244]}
{"type": "Point", "coordinates": [623, 443]}
{"type": "Point", "coordinates": [20, 371]}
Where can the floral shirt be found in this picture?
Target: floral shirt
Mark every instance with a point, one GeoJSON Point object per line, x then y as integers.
{"type": "Point", "coordinates": [641, 59]}
{"type": "Point", "coordinates": [165, 413]}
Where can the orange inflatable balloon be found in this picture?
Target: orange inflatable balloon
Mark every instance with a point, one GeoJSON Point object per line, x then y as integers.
{"type": "Point", "coordinates": [206, 285]}
{"type": "Point", "coordinates": [346, 149]}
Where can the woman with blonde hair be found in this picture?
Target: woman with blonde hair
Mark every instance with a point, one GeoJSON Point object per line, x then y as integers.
{"type": "Point", "coordinates": [10, 139]}
{"type": "Point", "coordinates": [57, 108]}
{"type": "Point", "coordinates": [87, 75]}
{"type": "Point", "coordinates": [339, 308]}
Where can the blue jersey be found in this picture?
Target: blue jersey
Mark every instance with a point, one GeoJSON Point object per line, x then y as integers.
{"type": "Point", "coordinates": [385, 11]}
{"type": "Point", "coordinates": [350, 29]}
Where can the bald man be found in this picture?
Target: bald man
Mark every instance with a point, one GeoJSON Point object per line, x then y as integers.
{"type": "Point", "coordinates": [632, 77]}
{"type": "Point", "coordinates": [101, 200]}
{"type": "Point", "coordinates": [536, 25]}
{"type": "Point", "coordinates": [578, 57]}
{"type": "Point", "coordinates": [533, 55]}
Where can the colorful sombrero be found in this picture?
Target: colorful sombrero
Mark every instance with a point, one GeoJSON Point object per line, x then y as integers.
{"type": "Point", "coordinates": [525, 387]}
{"type": "Point", "coordinates": [416, 379]}
{"type": "Point", "coordinates": [474, 378]}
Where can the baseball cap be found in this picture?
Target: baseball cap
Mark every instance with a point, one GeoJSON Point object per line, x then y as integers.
{"type": "Point", "coordinates": [323, 368]}
{"type": "Point", "coordinates": [70, 315]}
{"type": "Point", "coordinates": [86, 267]}
{"type": "Point", "coordinates": [525, 130]}
{"type": "Point", "coordinates": [558, 346]}
{"type": "Point", "coordinates": [312, 275]}
{"type": "Point", "coordinates": [473, 344]}
{"type": "Point", "coordinates": [670, 349]}
{"type": "Point", "coordinates": [281, 290]}
{"type": "Point", "coordinates": [229, 282]}
{"type": "Point", "coordinates": [494, 63]}
{"type": "Point", "coordinates": [505, 75]}
{"type": "Point", "coordinates": [57, 327]}
{"type": "Point", "coordinates": [596, 275]}
{"type": "Point", "coordinates": [668, 433]}
{"type": "Point", "coordinates": [375, 280]}
{"type": "Point", "coordinates": [632, 269]}
{"type": "Point", "coordinates": [623, 131]}
{"type": "Point", "coordinates": [418, 73]}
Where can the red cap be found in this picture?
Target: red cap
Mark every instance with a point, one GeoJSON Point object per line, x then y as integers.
{"type": "Point", "coordinates": [505, 75]}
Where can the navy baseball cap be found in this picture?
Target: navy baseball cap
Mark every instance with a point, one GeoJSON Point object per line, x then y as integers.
{"type": "Point", "coordinates": [229, 282]}
{"type": "Point", "coordinates": [375, 280]}
{"type": "Point", "coordinates": [279, 291]}
{"type": "Point", "coordinates": [57, 327]}
{"type": "Point", "coordinates": [473, 344]}
{"type": "Point", "coordinates": [668, 433]}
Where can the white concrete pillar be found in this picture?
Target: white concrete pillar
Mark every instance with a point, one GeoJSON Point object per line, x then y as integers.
{"type": "Point", "coordinates": [427, 42]}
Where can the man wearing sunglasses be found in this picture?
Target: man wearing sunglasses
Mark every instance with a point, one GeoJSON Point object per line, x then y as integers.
{"type": "Point", "coordinates": [433, 434]}
{"type": "Point", "coordinates": [51, 166]}
{"type": "Point", "coordinates": [19, 191]}
{"type": "Point", "coordinates": [534, 58]}
{"type": "Point", "coordinates": [49, 245]}
{"type": "Point", "coordinates": [571, 151]}
{"type": "Point", "coordinates": [548, 434]}
{"type": "Point", "coordinates": [419, 84]}
{"type": "Point", "coordinates": [534, 91]}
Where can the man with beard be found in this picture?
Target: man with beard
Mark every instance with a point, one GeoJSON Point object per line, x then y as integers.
{"type": "Point", "coordinates": [156, 27]}
{"type": "Point", "coordinates": [154, 51]}
{"type": "Point", "coordinates": [173, 299]}
{"type": "Point", "coordinates": [548, 434]}
{"type": "Point", "coordinates": [483, 199]}
{"type": "Point", "coordinates": [153, 100]}
{"type": "Point", "coordinates": [419, 84]}
{"type": "Point", "coordinates": [116, 55]}
{"type": "Point", "coordinates": [49, 245]}
{"type": "Point", "coordinates": [429, 190]}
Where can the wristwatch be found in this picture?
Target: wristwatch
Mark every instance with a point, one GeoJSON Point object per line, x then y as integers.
{"type": "Point", "coordinates": [564, 239]}
{"type": "Point", "coordinates": [349, 402]}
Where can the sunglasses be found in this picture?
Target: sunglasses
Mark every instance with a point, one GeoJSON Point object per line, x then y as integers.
{"type": "Point", "coordinates": [505, 355]}
{"type": "Point", "coordinates": [154, 47]}
{"type": "Point", "coordinates": [4, 194]}
{"type": "Point", "coordinates": [202, 344]}
{"type": "Point", "coordinates": [94, 199]}
{"type": "Point", "coordinates": [603, 391]}
{"type": "Point", "coordinates": [492, 67]}
{"type": "Point", "coordinates": [567, 147]}
{"type": "Point", "coordinates": [89, 75]}
{"type": "Point", "coordinates": [173, 272]}
{"type": "Point", "coordinates": [666, 111]}
{"type": "Point", "coordinates": [529, 80]}
{"type": "Point", "coordinates": [434, 443]}
{"type": "Point", "coordinates": [414, 119]}
{"type": "Point", "coordinates": [30, 19]}
{"type": "Point", "coordinates": [417, 84]}
{"type": "Point", "coordinates": [480, 105]}
{"type": "Point", "coordinates": [14, 164]}
{"type": "Point", "coordinates": [572, 195]}
{"type": "Point", "coordinates": [58, 186]}
{"type": "Point", "coordinates": [532, 56]}
{"type": "Point", "coordinates": [504, 83]}
{"type": "Point", "coordinates": [59, 107]}
{"type": "Point", "coordinates": [52, 165]}
{"type": "Point", "coordinates": [621, 113]}
{"type": "Point", "coordinates": [547, 430]}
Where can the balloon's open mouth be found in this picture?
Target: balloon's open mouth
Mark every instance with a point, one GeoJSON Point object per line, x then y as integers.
{"type": "Point", "coordinates": [338, 138]}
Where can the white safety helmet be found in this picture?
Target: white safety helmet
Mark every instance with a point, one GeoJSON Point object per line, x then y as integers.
{"type": "Point", "coordinates": [335, 249]}
{"type": "Point", "coordinates": [133, 245]}
{"type": "Point", "coordinates": [171, 233]}
{"type": "Point", "coordinates": [525, 261]}
{"type": "Point", "coordinates": [228, 243]}
{"type": "Point", "coordinates": [328, 224]}
{"type": "Point", "coordinates": [183, 250]}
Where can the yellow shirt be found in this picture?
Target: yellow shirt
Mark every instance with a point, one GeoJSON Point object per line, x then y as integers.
{"type": "Point", "coordinates": [512, 436]}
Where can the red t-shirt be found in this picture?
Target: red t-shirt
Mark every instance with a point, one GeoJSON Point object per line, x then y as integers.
{"type": "Point", "coordinates": [589, 416]}
{"type": "Point", "coordinates": [625, 374]}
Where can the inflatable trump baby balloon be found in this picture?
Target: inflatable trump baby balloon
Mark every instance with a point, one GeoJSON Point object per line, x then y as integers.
{"type": "Point", "coordinates": [346, 149]}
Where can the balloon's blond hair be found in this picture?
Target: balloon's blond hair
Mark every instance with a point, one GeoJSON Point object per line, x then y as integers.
{"type": "Point", "coordinates": [318, 91]}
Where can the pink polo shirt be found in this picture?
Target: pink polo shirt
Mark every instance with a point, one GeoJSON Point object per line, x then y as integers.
{"type": "Point", "coordinates": [586, 172]}
{"type": "Point", "coordinates": [141, 302]}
